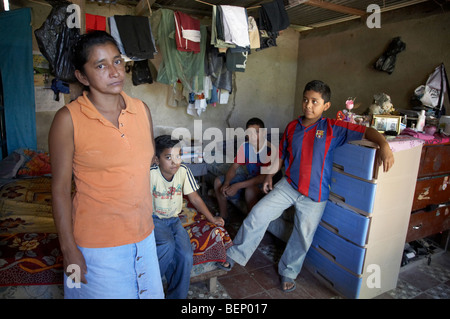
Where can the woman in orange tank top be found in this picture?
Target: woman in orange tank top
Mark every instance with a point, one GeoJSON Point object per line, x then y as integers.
{"type": "Point", "coordinates": [104, 140]}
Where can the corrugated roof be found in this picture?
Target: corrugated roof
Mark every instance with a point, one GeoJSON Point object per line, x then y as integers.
{"type": "Point", "coordinates": [302, 13]}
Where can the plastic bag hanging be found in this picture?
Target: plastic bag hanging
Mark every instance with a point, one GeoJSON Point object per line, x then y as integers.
{"type": "Point", "coordinates": [386, 62]}
{"type": "Point", "coordinates": [140, 73]}
{"type": "Point", "coordinates": [55, 40]}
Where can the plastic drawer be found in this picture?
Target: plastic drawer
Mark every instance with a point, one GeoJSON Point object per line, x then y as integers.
{"type": "Point", "coordinates": [341, 251]}
{"type": "Point", "coordinates": [341, 280]}
{"type": "Point", "coordinates": [354, 192]}
{"type": "Point", "coordinates": [346, 223]}
{"type": "Point", "coordinates": [355, 160]}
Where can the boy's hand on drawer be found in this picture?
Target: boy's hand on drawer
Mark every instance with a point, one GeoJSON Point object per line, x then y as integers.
{"type": "Point", "coordinates": [385, 157]}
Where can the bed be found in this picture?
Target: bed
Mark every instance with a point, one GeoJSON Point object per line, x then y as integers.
{"type": "Point", "coordinates": [30, 256]}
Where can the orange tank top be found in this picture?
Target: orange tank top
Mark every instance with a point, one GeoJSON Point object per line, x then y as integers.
{"type": "Point", "coordinates": [111, 166]}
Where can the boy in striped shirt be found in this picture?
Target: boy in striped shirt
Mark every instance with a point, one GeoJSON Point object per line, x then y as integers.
{"type": "Point", "coordinates": [306, 151]}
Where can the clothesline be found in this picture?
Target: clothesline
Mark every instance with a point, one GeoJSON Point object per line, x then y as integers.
{"type": "Point", "coordinates": [210, 4]}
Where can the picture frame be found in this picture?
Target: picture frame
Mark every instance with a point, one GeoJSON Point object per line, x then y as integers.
{"type": "Point", "coordinates": [383, 123]}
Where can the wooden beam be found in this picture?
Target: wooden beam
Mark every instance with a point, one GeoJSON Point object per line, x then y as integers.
{"type": "Point", "coordinates": [144, 7]}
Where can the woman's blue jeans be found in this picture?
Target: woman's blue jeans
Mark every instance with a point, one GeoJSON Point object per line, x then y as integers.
{"type": "Point", "coordinates": [175, 255]}
{"type": "Point", "coordinates": [307, 217]}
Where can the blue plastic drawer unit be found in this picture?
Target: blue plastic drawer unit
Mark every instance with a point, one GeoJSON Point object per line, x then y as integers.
{"type": "Point", "coordinates": [341, 280]}
{"type": "Point", "coordinates": [340, 250]}
{"type": "Point", "coordinates": [355, 160]}
{"type": "Point", "coordinates": [352, 234]}
{"type": "Point", "coordinates": [346, 223]}
{"type": "Point", "coordinates": [354, 192]}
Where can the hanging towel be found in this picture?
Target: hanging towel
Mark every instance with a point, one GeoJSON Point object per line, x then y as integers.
{"type": "Point", "coordinates": [235, 25]}
{"type": "Point", "coordinates": [95, 22]}
{"type": "Point", "coordinates": [136, 36]}
{"type": "Point", "coordinates": [187, 32]}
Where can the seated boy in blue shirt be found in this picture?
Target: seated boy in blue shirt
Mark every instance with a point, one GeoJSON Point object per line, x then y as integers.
{"type": "Point", "coordinates": [306, 151]}
{"type": "Point", "coordinates": [169, 180]}
{"type": "Point", "coordinates": [252, 155]}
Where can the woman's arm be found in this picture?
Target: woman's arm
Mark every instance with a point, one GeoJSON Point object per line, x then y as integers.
{"type": "Point", "coordinates": [61, 147]}
{"type": "Point", "coordinates": [150, 120]}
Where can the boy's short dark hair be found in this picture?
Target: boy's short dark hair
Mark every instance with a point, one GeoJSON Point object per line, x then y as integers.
{"type": "Point", "coordinates": [164, 141]}
{"type": "Point", "coordinates": [255, 121]}
{"type": "Point", "coordinates": [319, 87]}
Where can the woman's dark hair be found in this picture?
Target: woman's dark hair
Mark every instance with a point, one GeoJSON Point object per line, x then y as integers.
{"type": "Point", "coordinates": [319, 87]}
{"type": "Point", "coordinates": [81, 50]}
{"type": "Point", "coordinates": [164, 141]}
{"type": "Point", "coordinates": [255, 121]}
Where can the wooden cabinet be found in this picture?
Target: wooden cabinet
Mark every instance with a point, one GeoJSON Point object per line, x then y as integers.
{"type": "Point", "coordinates": [431, 206]}
{"type": "Point", "coordinates": [358, 246]}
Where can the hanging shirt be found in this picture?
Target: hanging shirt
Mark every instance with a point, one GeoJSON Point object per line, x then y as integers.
{"type": "Point", "coordinates": [187, 32]}
{"type": "Point", "coordinates": [308, 153]}
{"type": "Point", "coordinates": [168, 195]}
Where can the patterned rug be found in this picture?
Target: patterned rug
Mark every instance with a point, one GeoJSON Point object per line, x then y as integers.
{"type": "Point", "coordinates": [30, 259]}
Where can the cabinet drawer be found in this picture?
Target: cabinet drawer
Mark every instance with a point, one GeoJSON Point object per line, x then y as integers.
{"type": "Point", "coordinates": [352, 191]}
{"type": "Point", "coordinates": [434, 160]}
{"type": "Point", "coordinates": [338, 278]}
{"type": "Point", "coordinates": [338, 249]}
{"type": "Point", "coordinates": [346, 223]}
{"type": "Point", "coordinates": [431, 191]}
{"type": "Point", "coordinates": [425, 223]}
{"type": "Point", "coordinates": [355, 160]}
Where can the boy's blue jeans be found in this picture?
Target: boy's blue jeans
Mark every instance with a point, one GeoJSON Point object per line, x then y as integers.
{"type": "Point", "coordinates": [307, 217]}
{"type": "Point", "coordinates": [175, 255]}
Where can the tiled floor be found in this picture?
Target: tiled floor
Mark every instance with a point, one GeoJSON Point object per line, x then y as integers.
{"type": "Point", "coordinates": [259, 278]}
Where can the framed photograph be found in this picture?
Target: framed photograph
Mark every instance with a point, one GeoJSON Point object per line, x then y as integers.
{"type": "Point", "coordinates": [383, 123]}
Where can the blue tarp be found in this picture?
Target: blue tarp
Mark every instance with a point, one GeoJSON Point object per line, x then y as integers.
{"type": "Point", "coordinates": [16, 65]}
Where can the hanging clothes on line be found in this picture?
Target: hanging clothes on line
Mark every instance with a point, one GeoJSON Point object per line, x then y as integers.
{"type": "Point", "coordinates": [95, 22]}
{"type": "Point", "coordinates": [116, 35]}
{"type": "Point", "coordinates": [235, 25]}
{"type": "Point", "coordinates": [216, 69]}
{"type": "Point", "coordinates": [253, 33]}
{"type": "Point", "coordinates": [187, 67]}
{"type": "Point", "coordinates": [187, 32]}
{"type": "Point", "coordinates": [136, 36]}
{"type": "Point", "coordinates": [273, 16]}
{"type": "Point", "coordinates": [217, 37]}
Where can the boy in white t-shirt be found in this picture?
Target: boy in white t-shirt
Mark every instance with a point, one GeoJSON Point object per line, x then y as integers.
{"type": "Point", "coordinates": [169, 180]}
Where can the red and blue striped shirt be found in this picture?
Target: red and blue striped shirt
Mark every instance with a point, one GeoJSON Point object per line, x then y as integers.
{"type": "Point", "coordinates": [308, 153]}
